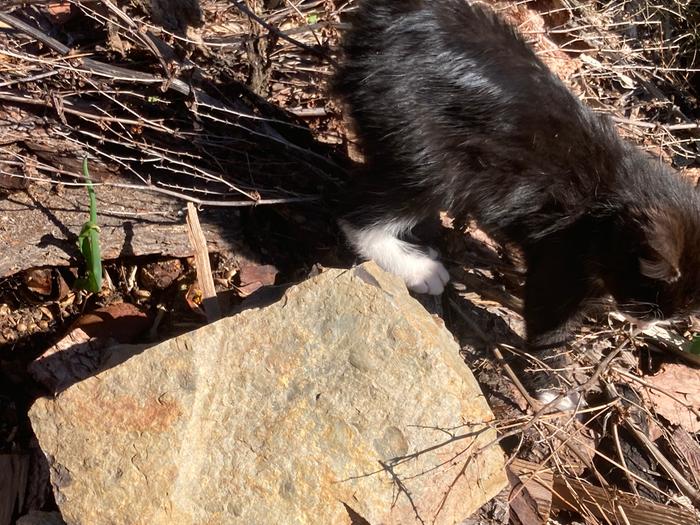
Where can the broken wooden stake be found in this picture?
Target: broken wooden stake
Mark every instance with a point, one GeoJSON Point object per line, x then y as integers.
{"type": "Point", "coordinates": [210, 303]}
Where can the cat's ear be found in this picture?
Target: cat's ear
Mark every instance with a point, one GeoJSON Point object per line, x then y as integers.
{"type": "Point", "coordinates": [665, 236]}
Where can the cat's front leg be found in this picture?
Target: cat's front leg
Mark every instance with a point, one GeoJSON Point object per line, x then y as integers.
{"type": "Point", "coordinates": [416, 265]}
{"type": "Point", "coordinates": [556, 288]}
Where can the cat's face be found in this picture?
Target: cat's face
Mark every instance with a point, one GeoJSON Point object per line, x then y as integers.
{"type": "Point", "coordinates": [650, 300]}
{"type": "Point", "coordinates": [664, 281]}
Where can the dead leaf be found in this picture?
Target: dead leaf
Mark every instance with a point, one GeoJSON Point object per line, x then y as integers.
{"type": "Point", "coordinates": [678, 395]}
{"type": "Point", "coordinates": [39, 280]}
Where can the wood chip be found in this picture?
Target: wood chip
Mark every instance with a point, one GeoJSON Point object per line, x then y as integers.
{"type": "Point", "coordinates": [198, 241]}
{"type": "Point", "coordinates": [615, 506]}
{"type": "Point", "coordinates": [531, 492]}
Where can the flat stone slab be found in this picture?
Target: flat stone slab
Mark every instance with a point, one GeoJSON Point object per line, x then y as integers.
{"type": "Point", "coordinates": [344, 398]}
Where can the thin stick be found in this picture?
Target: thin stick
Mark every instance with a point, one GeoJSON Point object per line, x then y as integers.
{"type": "Point", "coordinates": [210, 303]}
{"type": "Point", "coordinates": [176, 194]}
{"type": "Point", "coordinates": [244, 9]}
{"type": "Point", "coordinates": [683, 484]}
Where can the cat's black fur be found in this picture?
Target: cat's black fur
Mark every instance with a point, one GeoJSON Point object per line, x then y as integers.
{"type": "Point", "coordinates": [454, 111]}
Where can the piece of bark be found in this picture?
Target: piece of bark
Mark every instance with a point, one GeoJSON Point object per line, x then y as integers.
{"type": "Point", "coordinates": [39, 227]}
{"type": "Point", "coordinates": [255, 276]}
{"type": "Point", "coordinates": [160, 275]}
{"type": "Point", "coordinates": [688, 449]}
{"type": "Point", "coordinates": [79, 354]}
{"type": "Point", "coordinates": [531, 492]}
{"type": "Point", "coordinates": [615, 506]}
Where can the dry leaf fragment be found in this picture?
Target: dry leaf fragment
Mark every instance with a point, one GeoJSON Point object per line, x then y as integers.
{"type": "Point", "coordinates": [676, 395]}
{"type": "Point", "coordinates": [39, 280]}
{"type": "Point", "coordinates": [60, 11]}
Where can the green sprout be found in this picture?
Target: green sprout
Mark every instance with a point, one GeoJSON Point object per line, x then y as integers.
{"type": "Point", "coordinates": [312, 18]}
{"type": "Point", "coordinates": [89, 243]}
{"type": "Point", "coordinates": [695, 345]}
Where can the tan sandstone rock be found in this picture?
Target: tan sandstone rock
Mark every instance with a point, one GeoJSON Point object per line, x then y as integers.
{"type": "Point", "coordinates": [290, 414]}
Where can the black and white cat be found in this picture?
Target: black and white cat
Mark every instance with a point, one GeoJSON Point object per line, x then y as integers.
{"type": "Point", "coordinates": [455, 112]}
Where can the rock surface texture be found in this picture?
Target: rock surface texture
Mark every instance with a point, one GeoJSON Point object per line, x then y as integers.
{"type": "Point", "coordinates": [339, 400]}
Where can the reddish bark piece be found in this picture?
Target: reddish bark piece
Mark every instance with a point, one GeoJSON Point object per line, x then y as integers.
{"type": "Point", "coordinates": [79, 354]}
{"type": "Point", "coordinates": [531, 493]}
{"type": "Point", "coordinates": [255, 276]}
{"type": "Point", "coordinates": [122, 322]}
{"type": "Point", "coordinates": [61, 11]}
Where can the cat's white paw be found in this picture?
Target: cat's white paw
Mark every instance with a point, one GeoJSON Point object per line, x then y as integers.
{"type": "Point", "coordinates": [417, 266]}
{"type": "Point", "coordinates": [565, 404]}
{"type": "Point", "coordinates": [423, 274]}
